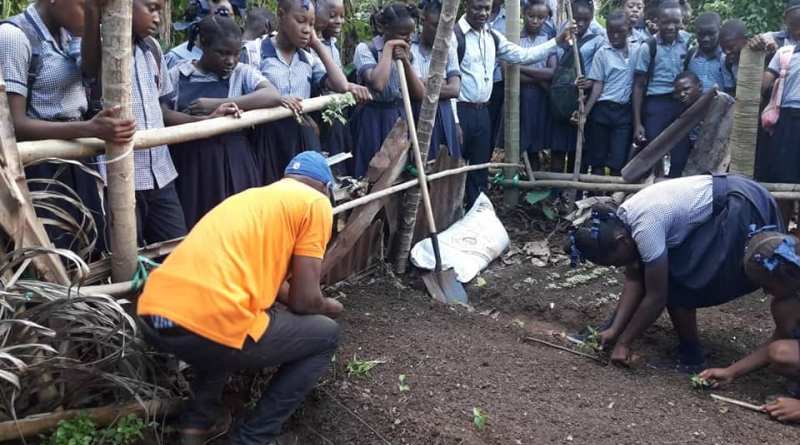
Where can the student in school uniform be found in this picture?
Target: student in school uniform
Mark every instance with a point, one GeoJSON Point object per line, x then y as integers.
{"type": "Point", "coordinates": [771, 261]}
{"type": "Point", "coordinates": [260, 22]}
{"type": "Point", "coordinates": [196, 11]}
{"type": "Point", "coordinates": [688, 89]}
{"type": "Point", "coordinates": [732, 39]}
{"type": "Point", "coordinates": [654, 107]}
{"type": "Point", "coordinates": [477, 55]}
{"type": "Point", "coordinates": [374, 62]}
{"type": "Point", "coordinates": [445, 129]}
{"type": "Point", "coordinates": [159, 215]}
{"type": "Point", "coordinates": [210, 170]}
{"type": "Point", "coordinates": [681, 241]}
{"type": "Point", "coordinates": [296, 62]}
{"type": "Point", "coordinates": [534, 106]}
{"type": "Point", "coordinates": [634, 11]}
{"type": "Point", "coordinates": [40, 54]}
{"type": "Point", "coordinates": [565, 133]}
{"type": "Point", "coordinates": [609, 125]}
{"type": "Point", "coordinates": [707, 60]}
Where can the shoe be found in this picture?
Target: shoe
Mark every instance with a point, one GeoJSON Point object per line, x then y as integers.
{"type": "Point", "coordinates": [195, 436]}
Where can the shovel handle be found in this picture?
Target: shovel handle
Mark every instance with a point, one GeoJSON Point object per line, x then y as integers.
{"type": "Point", "coordinates": [436, 252]}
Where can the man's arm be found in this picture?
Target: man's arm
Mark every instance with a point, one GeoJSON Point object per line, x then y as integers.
{"type": "Point", "coordinates": [90, 42]}
{"type": "Point", "coordinates": [304, 293]}
{"type": "Point", "coordinates": [653, 303]}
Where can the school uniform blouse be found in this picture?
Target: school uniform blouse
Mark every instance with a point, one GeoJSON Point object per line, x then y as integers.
{"type": "Point", "coordinates": [421, 61]}
{"type": "Point", "coordinates": [293, 78]}
{"type": "Point", "coordinates": [364, 60]}
{"type": "Point", "coordinates": [668, 64]}
{"type": "Point", "coordinates": [589, 44]}
{"type": "Point", "coordinates": [615, 69]}
{"type": "Point", "coordinates": [477, 65]}
{"type": "Point", "coordinates": [57, 93]}
{"type": "Point", "coordinates": [333, 50]}
{"type": "Point", "coordinates": [243, 80]}
{"type": "Point", "coordinates": [181, 53]}
{"type": "Point", "coordinates": [791, 87]}
{"type": "Point", "coordinates": [527, 41]}
{"type": "Point", "coordinates": [499, 24]}
{"type": "Point", "coordinates": [712, 70]}
{"type": "Point", "coordinates": [663, 215]}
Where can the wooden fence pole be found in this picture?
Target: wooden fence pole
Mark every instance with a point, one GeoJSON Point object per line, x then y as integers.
{"type": "Point", "coordinates": [511, 101]}
{"type": "Point", "coordinates": [116, 79]}
{"type": "Point", "coordinates": [744, 134]}
{"type": "Point", "coordinates": [576, 52]}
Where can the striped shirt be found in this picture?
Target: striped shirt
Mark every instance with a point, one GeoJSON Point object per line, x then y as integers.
{"type": "Point", "coordinates": [296, 77]}
{"type": "Point", "coordinates": [421, 61]}
{"type": "Point", "coordinates": [181, 53]}
{"type": "Point", "coordinates": [243, 80]}
{"type": "Point", "coordinates": [663, 215]}
{"type": "Point", "coordinates": [364, 61]}
{"type": "Point", "coordinates": [57, 93]}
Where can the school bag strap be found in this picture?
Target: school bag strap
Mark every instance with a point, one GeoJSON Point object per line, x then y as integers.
{"type": "Point", "coordinates": [652, 45]}
{"type": "Point", "coordinates": [24, 22]}
{"type": "Point", "coordinates": [461, 42]}
{"type": "Point", "coordinates": [689, 56]}
{"type": "Point", "coordinates": [772, 112]}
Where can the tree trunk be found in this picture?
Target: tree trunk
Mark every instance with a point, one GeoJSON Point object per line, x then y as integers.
{"type": "Point", "coordinates": [427, 114]}
{"type": "Point", "coordinates": [746, 112]}
{"type": "Point", "coordinates": [166, 25]}
{"type": "Point", "coordinates": [511, 194]}
{"type": "Point", "coordinates": [116, 79]}
{"type": "Point", "coordinates": [581, 99]}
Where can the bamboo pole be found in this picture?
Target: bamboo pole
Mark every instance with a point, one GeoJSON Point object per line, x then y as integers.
{"type": "Point", "coordinates": [116, 79]}
{"type": "Point", "coordinates": [744, 134]}
{"type": "Point", "coordinates": [80, 148]}
{"type": "Point", "coordinates": [511, 103]}
{"type": "Point", "coordinates": [739, 403]}
{"type": "Point", "coordinates": [427, 115]}
{"type": "Point", "coordinates": [581, 97]}
{"type": "Point", "coordinates": [106, 415]}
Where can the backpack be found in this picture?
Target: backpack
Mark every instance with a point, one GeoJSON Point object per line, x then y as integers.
{"type": "Point", "coordinates": [772, 112]}
{"type": "Point", "coordinates": [563, 93]}
{"type": "Point", "coordinates": [461, 42]}
{"type": "Point", "coordinates": [24, 22]}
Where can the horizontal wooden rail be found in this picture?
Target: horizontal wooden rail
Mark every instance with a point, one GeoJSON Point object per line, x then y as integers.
{"type": "Point", "coordinates": [33, 151]}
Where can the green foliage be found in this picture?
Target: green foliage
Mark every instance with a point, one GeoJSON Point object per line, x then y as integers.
{"type": "Point", "coordinates": [760, 16]}
{"type": "Point", "coordinates": [479, 418]}
{"type": "Point", "coordinates": [83, 431]}
{"type": "Point", "coordinates": [361, 368]}
{"type": "Point", "coordinates": [698, 382]}
{"type": "Point", "coordinates": [334, 111]}
{"type": "Point", "coordinates": [592, 342]}
{"type": "Point", "coordinates": [403, 385]}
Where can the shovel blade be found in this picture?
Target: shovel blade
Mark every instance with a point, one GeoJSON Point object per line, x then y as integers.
{"type": "Point", "coordinates": [444, 287]}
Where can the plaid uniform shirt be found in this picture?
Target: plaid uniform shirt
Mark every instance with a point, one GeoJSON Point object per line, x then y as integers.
{"type": "Point", "coordinates": [57, 93]}
{"type": "Point", "coordinates": [296, 77]}
{"type": "Point", "coordinates": [243, 80]}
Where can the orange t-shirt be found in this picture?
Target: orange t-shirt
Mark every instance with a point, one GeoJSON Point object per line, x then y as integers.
{"type": "Point", "coordinates": [219, 282]}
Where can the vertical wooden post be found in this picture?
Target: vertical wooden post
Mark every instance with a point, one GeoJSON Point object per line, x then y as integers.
{"type": "Point", "coordinates": [427, 114]}
{"type": "Point", "coordinates": [17, 217]}
{"type": "Point", "coordinates": [576, 173]}
{"type": "Point", "coordinates": [166, 25]}
{"type": "Point", "coordinates": [511, 194]}
{"type": "Point", "coordinates": [744, 134]}
{"type": "Point", "coordinates": [116, 79]}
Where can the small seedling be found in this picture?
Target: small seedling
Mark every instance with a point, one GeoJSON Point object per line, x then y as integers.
{"type": "Point", "coordinates": [402, 385]}
{"type": "Point", "coordinates": [698, 382]}
{"type": "Point", "coordinates": [361, 368]}
{"type": "Point", "coordinates": [334, 111]}
{"type": "Point", "coordinates": [592, 341]}
{"type": "Point", "coordinates": [479, 418]}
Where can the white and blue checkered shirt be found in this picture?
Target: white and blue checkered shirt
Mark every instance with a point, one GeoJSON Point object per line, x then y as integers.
{"type": "Point", "coordinates": [296, 78]}
{"type": "Point", "coordinates": [181, 53]}
{"type": "Point", "coordinates": [333, 50]}
{"type": "Point", "coordinates": [243, 80]}
{"type": "Point", "coordinates": [364, 60]}
{"type": "Point", "coordinates": [57, 93]}
{"type": "Point", "coordinates": [663, 215]}
{"type": "Point", "coordinates": [421, 61]}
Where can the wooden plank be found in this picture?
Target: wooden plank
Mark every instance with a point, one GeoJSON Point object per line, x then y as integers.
{"type": "Point", "coordinates": [447, 196]}
{"type": "Point", "coordinates": [386, 166]}
{"type": "Point", "coordinates": [746, 112]}
{"type": "Point", "coordinates": [711, 152]}
{"type": "Point", "coordinates": [17, 216]}
{"type": "Point", "coordinates": [645, 160]}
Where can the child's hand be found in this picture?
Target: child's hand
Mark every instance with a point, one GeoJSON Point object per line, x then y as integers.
{"type": "Point", "coordinates": [388, 47]}
{"type": "Point", "coordinates": [314, 40]}
{"type": "Point", "coordinates": [203, 106]}
{"type": "Point", "coordinates": [621, 356]}
{"type": "Point", "coordinates": [401, 53]}
{"type": "Point", "coordinates": [226, 109]}
{"type": "Point", "coordinates": [717, 376]}
{"type": "Point", "coordinates": [652, 27]}
{"type": "Point", "coordinates": [360, 92]}
{"type": "Point", "coordinates": [459, 135]}
{"type": "Point", "coordinates": [583, 83]}
{"type": "Point", "coordinates": [639, 135]}
{"type": "Point", "coordinates": [607, 337]}
{"type": "Point", "coordinates": [784, 409]}
{"type": "Point", "coordinates": [567, 34]}
{"type": "Point", "coordinates": [107, 126]}
{"type": "Point", "coordinates": [296, 105]}
{"type": "Point", "coordinates": [575, 119]}
{"type": "Point", "coordinates": [763, 42]}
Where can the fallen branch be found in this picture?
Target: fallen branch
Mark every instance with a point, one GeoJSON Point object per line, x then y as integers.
{"type": "Point", "coordinates": [564, 348]}
{"type": "Point", "coordinates": [739, 403]}
{"type": "Point", "coordinates": [103, 416]}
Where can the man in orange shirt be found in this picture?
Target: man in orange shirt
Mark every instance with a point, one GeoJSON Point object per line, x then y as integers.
{"type": "Point", "coordinates": [212, 301]}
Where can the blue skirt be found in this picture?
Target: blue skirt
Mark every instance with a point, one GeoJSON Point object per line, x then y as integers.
{"type": "Point", "coordinates": [276, 143]}
{"type": "Point", "coordinates": [779, 161]}
{"type": "Point", "coordinates": [706, 269]}
{"type": "Point", "coordinates": [444, 130]}
{"type": "Point", "coordinates": [535, 121]}
{"type": "Point", "coordinates": [370, 125]}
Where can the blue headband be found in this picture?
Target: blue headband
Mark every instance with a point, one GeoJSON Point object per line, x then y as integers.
{"type": "Point", "coordinates": [783, 253]}
{"type": "Point", "coordinates": [597, 217]}
{"type": "Point", "coordinates": [575, 256]}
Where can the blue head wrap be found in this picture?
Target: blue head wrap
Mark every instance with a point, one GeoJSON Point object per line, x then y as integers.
{"type": "Point", "coordinates": [575, 255]}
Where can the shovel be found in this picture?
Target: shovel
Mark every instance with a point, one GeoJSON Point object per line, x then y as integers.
{"type": "Point", "coordinates": [441, 284]}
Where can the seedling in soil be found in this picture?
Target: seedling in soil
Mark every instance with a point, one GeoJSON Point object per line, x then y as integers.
{"type": "Point", "coordinates": [592, 341]}
{"type": "Point", "coordinates": [403, 386]}
{"type": "Point", "coordinates": [479, 418]}
{"type": "Point", "coordinates": [698, 382]}
{"type": "Point", "coordinates": [361, 368]}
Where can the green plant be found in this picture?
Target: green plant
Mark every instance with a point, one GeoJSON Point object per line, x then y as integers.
{"type": "Point", "coordinates": [402, 385]}
{"type": "Point", "coordinates": [539, 198]}
{"type": "Point", "coordinates": [334, 111]}
{"type": "Point", "coordinates": [361, 368]}
{"type": "Point", "coordinates": [479, 418]}
{"type": "Point", "coordinates": [126, 431]}
{"type": "Point", "coordinates": [592, 341]}
{"type": "Point", "coordinates": [80, 430]}
{"type": "Point", "coordinates": [698, 382]}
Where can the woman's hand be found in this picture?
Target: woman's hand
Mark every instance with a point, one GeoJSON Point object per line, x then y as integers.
{"type": "Point", "coordinates": [226, 109]}
{"type": "Point", "coordinates": [718, 377]}
{"type": "Point", "coordinates": [108, 126]}
{"type": "Point", "coordinates": [360, 92]}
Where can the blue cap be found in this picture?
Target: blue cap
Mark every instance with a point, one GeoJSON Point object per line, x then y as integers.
{"type": "Point", "coordinates": [311, 165]}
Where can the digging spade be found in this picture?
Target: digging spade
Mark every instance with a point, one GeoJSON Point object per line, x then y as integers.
{"type": "Point", "coordinates": [441, 284]}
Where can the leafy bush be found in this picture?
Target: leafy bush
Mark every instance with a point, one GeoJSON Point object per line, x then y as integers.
{"type": "Point", "coordinates": [83, 431]}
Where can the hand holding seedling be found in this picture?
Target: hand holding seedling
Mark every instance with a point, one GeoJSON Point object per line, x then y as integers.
{"type": "Point", "coordinates": [698, 382]}
{"type": "Point", "coordinates": [606, 338]}
{"type": "Point", "coordinates": [717, 377]}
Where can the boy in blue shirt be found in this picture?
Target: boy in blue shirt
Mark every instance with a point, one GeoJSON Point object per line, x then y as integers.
{"type": "Point", "coordinates": [707, 60]}
{"type": "Point", "coordinates": [658, 63]}
{"type": "Point", "coordinates": [732, 38]}
{"type": "Point", "coordinates": [609, 106]}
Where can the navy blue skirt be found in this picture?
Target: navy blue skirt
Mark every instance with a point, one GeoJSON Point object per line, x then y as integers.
{"type": "Point", "coordinates": [444, 130]}
{"type": "Point", "coordinates": [276, 143]}
{"type": "Point", "coordinates": [780, 160]}
{"type": "Point", "coordinates": [535, 121]}
{"type": "Point", "coordinates": [370, 125]}
{"type": "Point", "coordinates": [707, 269]}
